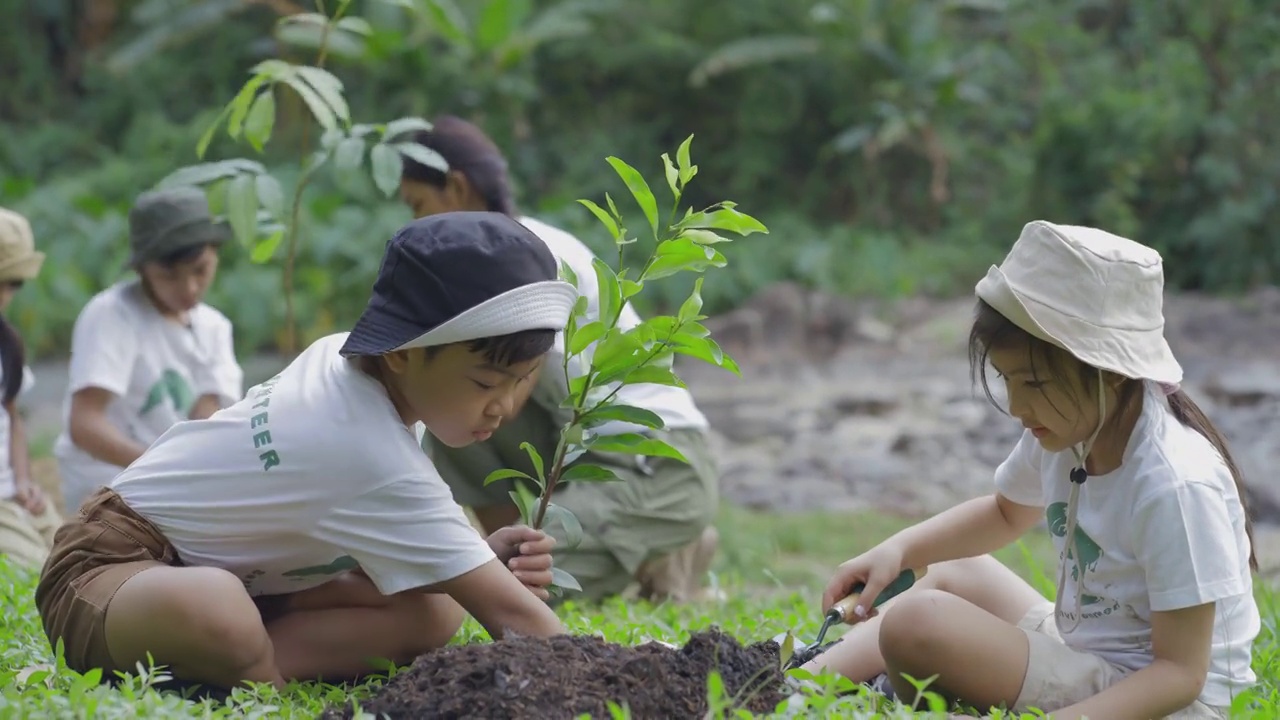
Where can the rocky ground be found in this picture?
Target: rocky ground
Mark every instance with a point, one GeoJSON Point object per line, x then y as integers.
{"type": "Point", "coordinates": [855, 405]}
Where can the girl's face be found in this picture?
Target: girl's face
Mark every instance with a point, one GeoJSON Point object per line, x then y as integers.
{"type": "Point", "coordinates": [7, 290]}
{"type": "Point", "coordinates": [425, 199]}
{"type": "Point", "coordinates": [1061, 412]}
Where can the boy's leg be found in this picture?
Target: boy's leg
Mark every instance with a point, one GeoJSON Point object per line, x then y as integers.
{"type": "Point", "coordinates": [982, 582]}
{"type": "Point", "coordinates": [20, 538]}
{"type": "Point", "coordinates": [341, 630]}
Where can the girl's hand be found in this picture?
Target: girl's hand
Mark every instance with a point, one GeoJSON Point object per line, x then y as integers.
{"type": "Point", "coordinates": [527, 553]}
{"type": "Point", "coordinates": [30, 497]}
{"type": "Point", "coordinates": [875, 568]}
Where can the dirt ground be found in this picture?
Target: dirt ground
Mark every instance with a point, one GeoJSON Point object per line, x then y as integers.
{"type": "Point", "coordinates": [570, 676]}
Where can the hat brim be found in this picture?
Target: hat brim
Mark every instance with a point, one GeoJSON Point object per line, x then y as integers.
{"type": "Point", "coordinates": [536, 306]}
{"type": "Point", "coordinates": [24, 268]}
{"type": "Point", "coordinates": [212, 232]}
{"type": "Point", "coordinates": [1112, 350]}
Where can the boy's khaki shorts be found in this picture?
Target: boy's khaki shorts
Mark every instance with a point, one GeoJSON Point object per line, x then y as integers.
{"type": "Point", "coordinates": [105, 545]}
{"type": "Point", "coordinates": [651, 522]}
{"type": "Point", "coordinates": [1058, 676]}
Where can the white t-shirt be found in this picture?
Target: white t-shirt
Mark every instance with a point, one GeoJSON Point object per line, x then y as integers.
{"type": "Point", "coordinates": [674, 405]}
{"type": "Point", "coordinates": [1162, 532]}
{"type": "Point", "coordinates": [8, 484]}
{"type": "Point", "coordinates": [312, 474]}
{"type": "Point", "coordinates": [156, 367]}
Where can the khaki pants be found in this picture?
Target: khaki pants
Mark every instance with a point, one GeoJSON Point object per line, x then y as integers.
{"type": "Point", "coordinates": [26, 538]}
{"type": "Point", "coordinates": [653, 527]}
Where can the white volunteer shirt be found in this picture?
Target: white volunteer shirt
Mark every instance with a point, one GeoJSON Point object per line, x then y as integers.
{"type": "Point", "coordinates": [156, 367]}
{"type": "Point", "coordinates": [311, 475]}
{"type": "Point", "coordinates": [8, 484]}
{"type": "Point", "coordinates": [674, 405]}
{"type": "Point", "coordinates": [1162, 532]}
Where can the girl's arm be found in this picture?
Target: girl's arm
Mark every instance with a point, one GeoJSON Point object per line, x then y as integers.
{"type": "Point", "coordinates": [974, 527]}
{"type": "Point", "coordinates": [26, 493]}
{"type": "Point", "coordinates": [1180, 641]}
{"type": "Point", "coordinates": [92, 432]}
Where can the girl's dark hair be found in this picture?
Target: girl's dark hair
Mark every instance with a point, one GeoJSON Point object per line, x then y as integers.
{"type": "Point", "coordinates": [469, 151]}
{"type": "Point", "coordinates": [12, 359]}
{"type": "Point", "coordinates": [991, 330]}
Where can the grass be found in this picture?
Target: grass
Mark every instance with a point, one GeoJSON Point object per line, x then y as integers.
{"type": "Point", "coordinates": [771, 570]}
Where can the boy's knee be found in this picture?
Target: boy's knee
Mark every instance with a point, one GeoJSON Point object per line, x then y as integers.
{"type": "Point", "coordinates": [913, 626]}
{"type": "Point", "coordinates": [221, 616]}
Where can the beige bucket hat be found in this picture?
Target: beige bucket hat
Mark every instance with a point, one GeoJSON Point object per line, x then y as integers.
{"type": "Point", "coordinates": [19, 259]}
{"type": "Point", "coordinates": [1097, 295]}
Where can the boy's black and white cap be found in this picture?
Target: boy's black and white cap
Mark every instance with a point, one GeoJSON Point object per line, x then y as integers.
{"type": "Point", "coordinates": [461, 276]}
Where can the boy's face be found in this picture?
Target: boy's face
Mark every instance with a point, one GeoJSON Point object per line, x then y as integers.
{"type": "Point", "coordinates": [180, 287]}
{"type": "Point", "coordinates": [459, 395]}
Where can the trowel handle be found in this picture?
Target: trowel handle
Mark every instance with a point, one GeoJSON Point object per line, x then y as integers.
{"type": "Point", "coordinates": [844, 608]}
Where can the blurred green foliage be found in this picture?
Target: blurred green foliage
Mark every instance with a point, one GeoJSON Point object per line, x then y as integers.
{"type": "Point", "coordinates": [893, 147]}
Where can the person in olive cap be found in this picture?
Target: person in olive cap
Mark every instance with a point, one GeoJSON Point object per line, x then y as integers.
{"type": "Point", "coordinates": [147, 352]}
{"type": "Point", "coordinates": [27, 518]}
{"type": "Point", "coordinates": [302, 533]}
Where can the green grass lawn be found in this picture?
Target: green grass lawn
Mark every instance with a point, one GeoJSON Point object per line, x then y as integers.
{"type": "Point", "coordinates": [771, 569]}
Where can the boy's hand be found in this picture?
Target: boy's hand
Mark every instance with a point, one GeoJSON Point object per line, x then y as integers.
{"type": "Point", "coordinates": [527, 553]}
{"type": "Point", "coordinates": [29, 496]}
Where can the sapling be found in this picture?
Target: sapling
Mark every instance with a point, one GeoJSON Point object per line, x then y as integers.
{"type": "Point", "coordinates": [600, 357]}
{"type": "Point", "coordinates": [251, 198]}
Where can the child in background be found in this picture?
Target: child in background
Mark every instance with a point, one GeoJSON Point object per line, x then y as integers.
{"type": "Point", "coordinates": [652, 530]}
{"type": "Point", "coordinates": [147, 353]}
{"type": "Point", "coordinates": [302, 533]}
{"type": "Point", "coordinates": [1154, 614]}
{"type": "Point", "coordinates": [27, 518]}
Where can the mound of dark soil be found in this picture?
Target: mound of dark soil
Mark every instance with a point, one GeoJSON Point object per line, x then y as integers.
{"type": "Point", "coordinates": [567, 676]}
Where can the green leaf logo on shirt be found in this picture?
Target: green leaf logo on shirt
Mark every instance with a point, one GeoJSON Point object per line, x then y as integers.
{"type": "Point", "coordinates": [1090, 552]}
{"type": "Point", "coordinates": [173, 386]}
{"type": "Point", "coordinates": [341, 564]}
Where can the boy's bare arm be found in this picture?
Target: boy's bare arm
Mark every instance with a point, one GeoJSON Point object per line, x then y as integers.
{"type": "Point", "coordinates": [500, 602]}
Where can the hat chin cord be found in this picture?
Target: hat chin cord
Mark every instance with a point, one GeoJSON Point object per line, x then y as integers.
{"type": "Point", "coordinates": [1078, 476]}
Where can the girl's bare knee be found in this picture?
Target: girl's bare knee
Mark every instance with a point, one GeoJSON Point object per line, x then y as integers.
{"type": "Point", "coordinates": [430, 621]}
{"type": "Point", "coordinates": [913, 627]}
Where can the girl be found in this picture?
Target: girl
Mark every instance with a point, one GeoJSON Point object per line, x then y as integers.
{"type": "Point", "coordinates": [1154, 614]}
{"type": "Point", "coordinates": [654, 528]}
{"type": "Point", "coordinates": [147, 353]}
{"type": "Point", "coordinates": [27, 518]}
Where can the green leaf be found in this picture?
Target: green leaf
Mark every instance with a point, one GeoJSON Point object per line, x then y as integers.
{"type": "Point", "coordinates": [386, 168]}
{"type": "Point", "coordinates": [207, 137]}
{"type": "Point", "coordinates": [273, 69]}
{"type": "Point", "coordinates": [673, 176]}
{"type": "Point", "coordinates": [624, 413]}
{"type": "Point", "coordinates": [585, 472]}
{"type": "Point", "coordinates": [753, 50]}
{"type": "Point", "coordinates": [653, 374]}
{"type": "Point", "coordinates": [630, 288]}
{"type": "Point", "coordinates": [271, 196]}
{"type": "Point", "coordinates": [567, 520]}
{"type": "Point", "coordinates": [349, 154]}
{"type": "Point", "coordinates": [405, 125]}
{"type": "Point", "coordinates": [636, 444]}
{"type": "Point", "coordinates": [584, 336]}
{"type": "Point", "coordinates": [261, 120]}
{"type": "Point", "coordinates": [567, 274]}
{"type": "Point", "coordinates": [615, 354]}
{"type": "Point", "coordinates": [639, 190]}
{"type": "Point", "coordinates": [242, 207]}
{"type": "Point", "coordinates": [525, 501]}
{"type": "Point", "coordinates": [330, 89]}
{"type": "Point", "coordinates": [724, 218]}
{"type": "Point", "coordinates": [356, 25]}
{"type": "Point", "coordinates": [265, 249]}
{"type": "Point", "coordinates": [705, 349]}
{"type": "Point", "coordinates": [683, 254]}
{"type": "Point", "coordinates": [241, 103]}
{"type": "Point", "coordinates": [693, 305]}
{"type": "Point", "coordinates": [704, 237]}
{"type": "Point", "coordinates": [423, 155]}
{"type": "Point", "coordinates": [320, 110]}
{"type": "Point", "coordinates": [499, 21]}
{"type": "Point", "coordinates": [536, 459]}
{"type": "Point", "coordinates": [610, 293]}
{"type": "Point", "coordinates": [563, 579]}
{"type": "Point", "coordinates": [602, 216]}
{"type": "Point", "coordinates": [505, 474]}
{"type": "Point", "coordinates": [687, 170]}
{"type": "Point", "coordinates": [449, 21]}
{"type": "Point", "coordinates": [208, 172]}
{"type": "Point", "coordinates": [299, 30]}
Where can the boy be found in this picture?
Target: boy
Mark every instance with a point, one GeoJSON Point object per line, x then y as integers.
{"type": "Point", "coordinates": [302, 533]}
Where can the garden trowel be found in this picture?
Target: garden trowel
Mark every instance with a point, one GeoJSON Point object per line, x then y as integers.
{"type": "Point", "coordinates": [840, 612]}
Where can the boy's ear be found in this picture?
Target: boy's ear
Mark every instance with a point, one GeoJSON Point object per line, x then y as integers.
{"type": "Point", "coordinates": [396, 361]}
